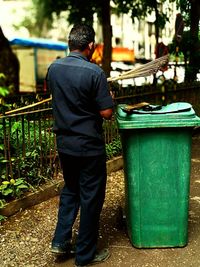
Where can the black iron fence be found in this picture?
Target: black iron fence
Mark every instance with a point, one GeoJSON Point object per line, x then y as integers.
{"type": "Point", "coordinates": [28, 145]}
{"type": "Point", "coordinates": [162, 94]}
{"type": "Point", "coordinates": [27, 142]}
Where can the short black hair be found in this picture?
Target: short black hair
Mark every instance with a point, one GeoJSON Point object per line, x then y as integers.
{"type": "Point", "coordinates": [80, 36]}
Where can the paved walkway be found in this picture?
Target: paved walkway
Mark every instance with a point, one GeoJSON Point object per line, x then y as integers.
{"type": "Point", "coordinates": [25, 237]}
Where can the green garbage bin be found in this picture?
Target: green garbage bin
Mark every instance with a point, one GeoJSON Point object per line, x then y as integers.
{"type": "Point", "coordinates": [156, 147]}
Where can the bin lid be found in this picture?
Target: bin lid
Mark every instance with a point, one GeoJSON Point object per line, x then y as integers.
{"type": "Point", "coordinates": [178, 114]}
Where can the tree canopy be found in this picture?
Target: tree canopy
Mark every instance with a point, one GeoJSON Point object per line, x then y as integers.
{"type": "Point", "coordinates": [83, 11]}
{"type": "Point", "coordinates": [190, 10]}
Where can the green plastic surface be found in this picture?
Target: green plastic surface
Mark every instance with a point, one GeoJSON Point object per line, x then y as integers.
{"type": "Point", "coordinates": [157, 175]}
{"type": "Point", "coordinates": [178, 114]}
{"type": "Point", "coordinates": [157, 162]}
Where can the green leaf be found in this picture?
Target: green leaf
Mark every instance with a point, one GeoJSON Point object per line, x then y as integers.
{"type": "Point", "coordinates": [22, 186]}
{"type": "Point", "coordinates": [4, 160]}
{"type": "Point", "coordinates": [28, 154]}
{"type": "Point", "coordinates": [16, 126]}
{"type": "Point", "coordinates": [2, 218]}
{"type": "Point", "coordinates": [1, 147]}
{"type": "Point", "coordinates": [19, 181]}
{"type": "Point", "coordinates": [2, 76]}
{"type": "Point", "coordinates": [4, 91]}
{"type": "Point", "coordinates": [2, 204]}
{"type": "Point", "coordinates": [5, 182]}
{"type": "Point", "coordinates": [7, 191]}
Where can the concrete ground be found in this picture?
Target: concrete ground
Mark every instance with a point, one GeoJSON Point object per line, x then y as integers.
{"type": "Point", "coordinates": [25, 237]}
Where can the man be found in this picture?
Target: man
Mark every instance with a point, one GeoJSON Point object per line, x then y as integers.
{"type": "Point", "coordinates": [80, 100]}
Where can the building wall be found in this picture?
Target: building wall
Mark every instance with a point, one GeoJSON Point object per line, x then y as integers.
{"type": "Point", "coordinates": [140, 35]}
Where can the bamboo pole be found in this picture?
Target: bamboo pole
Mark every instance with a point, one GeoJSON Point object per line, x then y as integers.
{"type": "Point", "coordinates": [27, 107]}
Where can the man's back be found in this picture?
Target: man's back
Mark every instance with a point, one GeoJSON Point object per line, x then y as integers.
{"type": "Point", "coordinates": [80, 91]}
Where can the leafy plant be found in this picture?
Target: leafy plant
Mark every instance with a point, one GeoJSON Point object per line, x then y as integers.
{"type": "Point", "coordinates": [30, 167]}
{"type": "Point", "coordinates": [13, 188]}
{"type": "Point", "coordinates": [2, 218]}
{"type": "Point", "coordinates": [114, 148]}
{"type": "Point", "coordinates": [4, 91]}
{"type": "Point", "coordinates": [27, 155]}
{"type": "Point", "coordinates": [27, 160]}
{"type": "Point", "coordinates": [2, 203]}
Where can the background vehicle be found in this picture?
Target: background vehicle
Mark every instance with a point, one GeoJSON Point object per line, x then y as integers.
{"type": "Point", "coordinates": [35, 55]}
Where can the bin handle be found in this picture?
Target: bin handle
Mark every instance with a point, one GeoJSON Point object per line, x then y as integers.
{"type": "Point", "coordinates": [129, 108]}
{"type": "Point", "coordinates": [145, 108]}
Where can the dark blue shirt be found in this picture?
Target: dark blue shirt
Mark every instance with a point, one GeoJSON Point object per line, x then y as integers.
{"type": "Point", "coordinates": [79, 91]}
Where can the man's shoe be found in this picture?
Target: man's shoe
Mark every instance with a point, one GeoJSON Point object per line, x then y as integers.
{"type": "Point", "coordinates": [99, 257]}
{"type": "Point", "coordinates": [62, 249]}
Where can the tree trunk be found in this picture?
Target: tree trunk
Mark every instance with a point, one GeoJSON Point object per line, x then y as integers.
{"type": "Point", "coordinates": [194, 63]}
{"type": "Point", "coordinates": [9, 65]}
{"type": "Point", "coordinates": [156, 23]}
{"type": "Point", "coordinates": [107, 37]}
{"type": "Point", "coordinates": [156, 36]}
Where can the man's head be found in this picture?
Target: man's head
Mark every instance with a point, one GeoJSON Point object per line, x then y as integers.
{"type": "Point", "coordinates": [81, 38]}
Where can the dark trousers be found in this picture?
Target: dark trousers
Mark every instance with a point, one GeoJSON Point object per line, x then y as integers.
{"type": "Point", "coordinates": [85, 183]}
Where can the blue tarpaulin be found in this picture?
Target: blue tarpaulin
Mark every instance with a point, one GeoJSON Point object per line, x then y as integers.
{"type": "Point", "coordinates": [40, 43]}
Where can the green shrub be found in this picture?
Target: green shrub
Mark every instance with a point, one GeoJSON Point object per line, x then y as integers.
{"type": "Point", "coordinates": [113, 149]}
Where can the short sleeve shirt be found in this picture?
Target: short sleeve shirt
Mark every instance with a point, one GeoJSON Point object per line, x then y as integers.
{"type": "Point", "coordinates": [79, 91]}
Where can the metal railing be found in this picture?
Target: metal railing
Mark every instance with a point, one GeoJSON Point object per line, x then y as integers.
{"type": "Point", "coordinates": [28, 145]}
{"type": "Point", "coordinates": [27, 141]}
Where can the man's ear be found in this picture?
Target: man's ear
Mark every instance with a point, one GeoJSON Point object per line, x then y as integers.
{"type": "Point", "coordinates": [91, 45]}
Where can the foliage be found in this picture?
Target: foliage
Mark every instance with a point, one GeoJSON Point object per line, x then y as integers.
{"type": "Point", "coordinates": [190, 11]}
{"type": "Point", "coordinates": [140, 9]}
{"type": "Point", "coordinates": [3, 90]}
{"type": "Point", "coordinates": [2, 218]}
{"type": "Point", "coordinates": [34, 20]}
{"type": "Point", "coordinates": [25, 169]}
{"type": "Point", "coordinates": [113, 149]}
{"type": "Point", "coordinates": [41, 15]}
{"type": "Point", "coordinates": [184, 6]}
{"type": "Point", "coordinates": [28, 164]}
{"type": "Point", "coordinates": [184, 46]}
{"type": "Point", "coordinates": [13, 188]}
{"type": "Point", "coordinates": [2, 204]}
{"type": "Point", "coordinates": [83, 11]}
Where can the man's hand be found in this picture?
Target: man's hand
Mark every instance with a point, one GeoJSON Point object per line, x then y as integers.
{"type": "Point", "coordinates": [112, 95]}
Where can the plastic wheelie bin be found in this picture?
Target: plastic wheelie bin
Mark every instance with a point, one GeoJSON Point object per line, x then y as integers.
{"type": "Point", "coordinates": [156, 143]}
